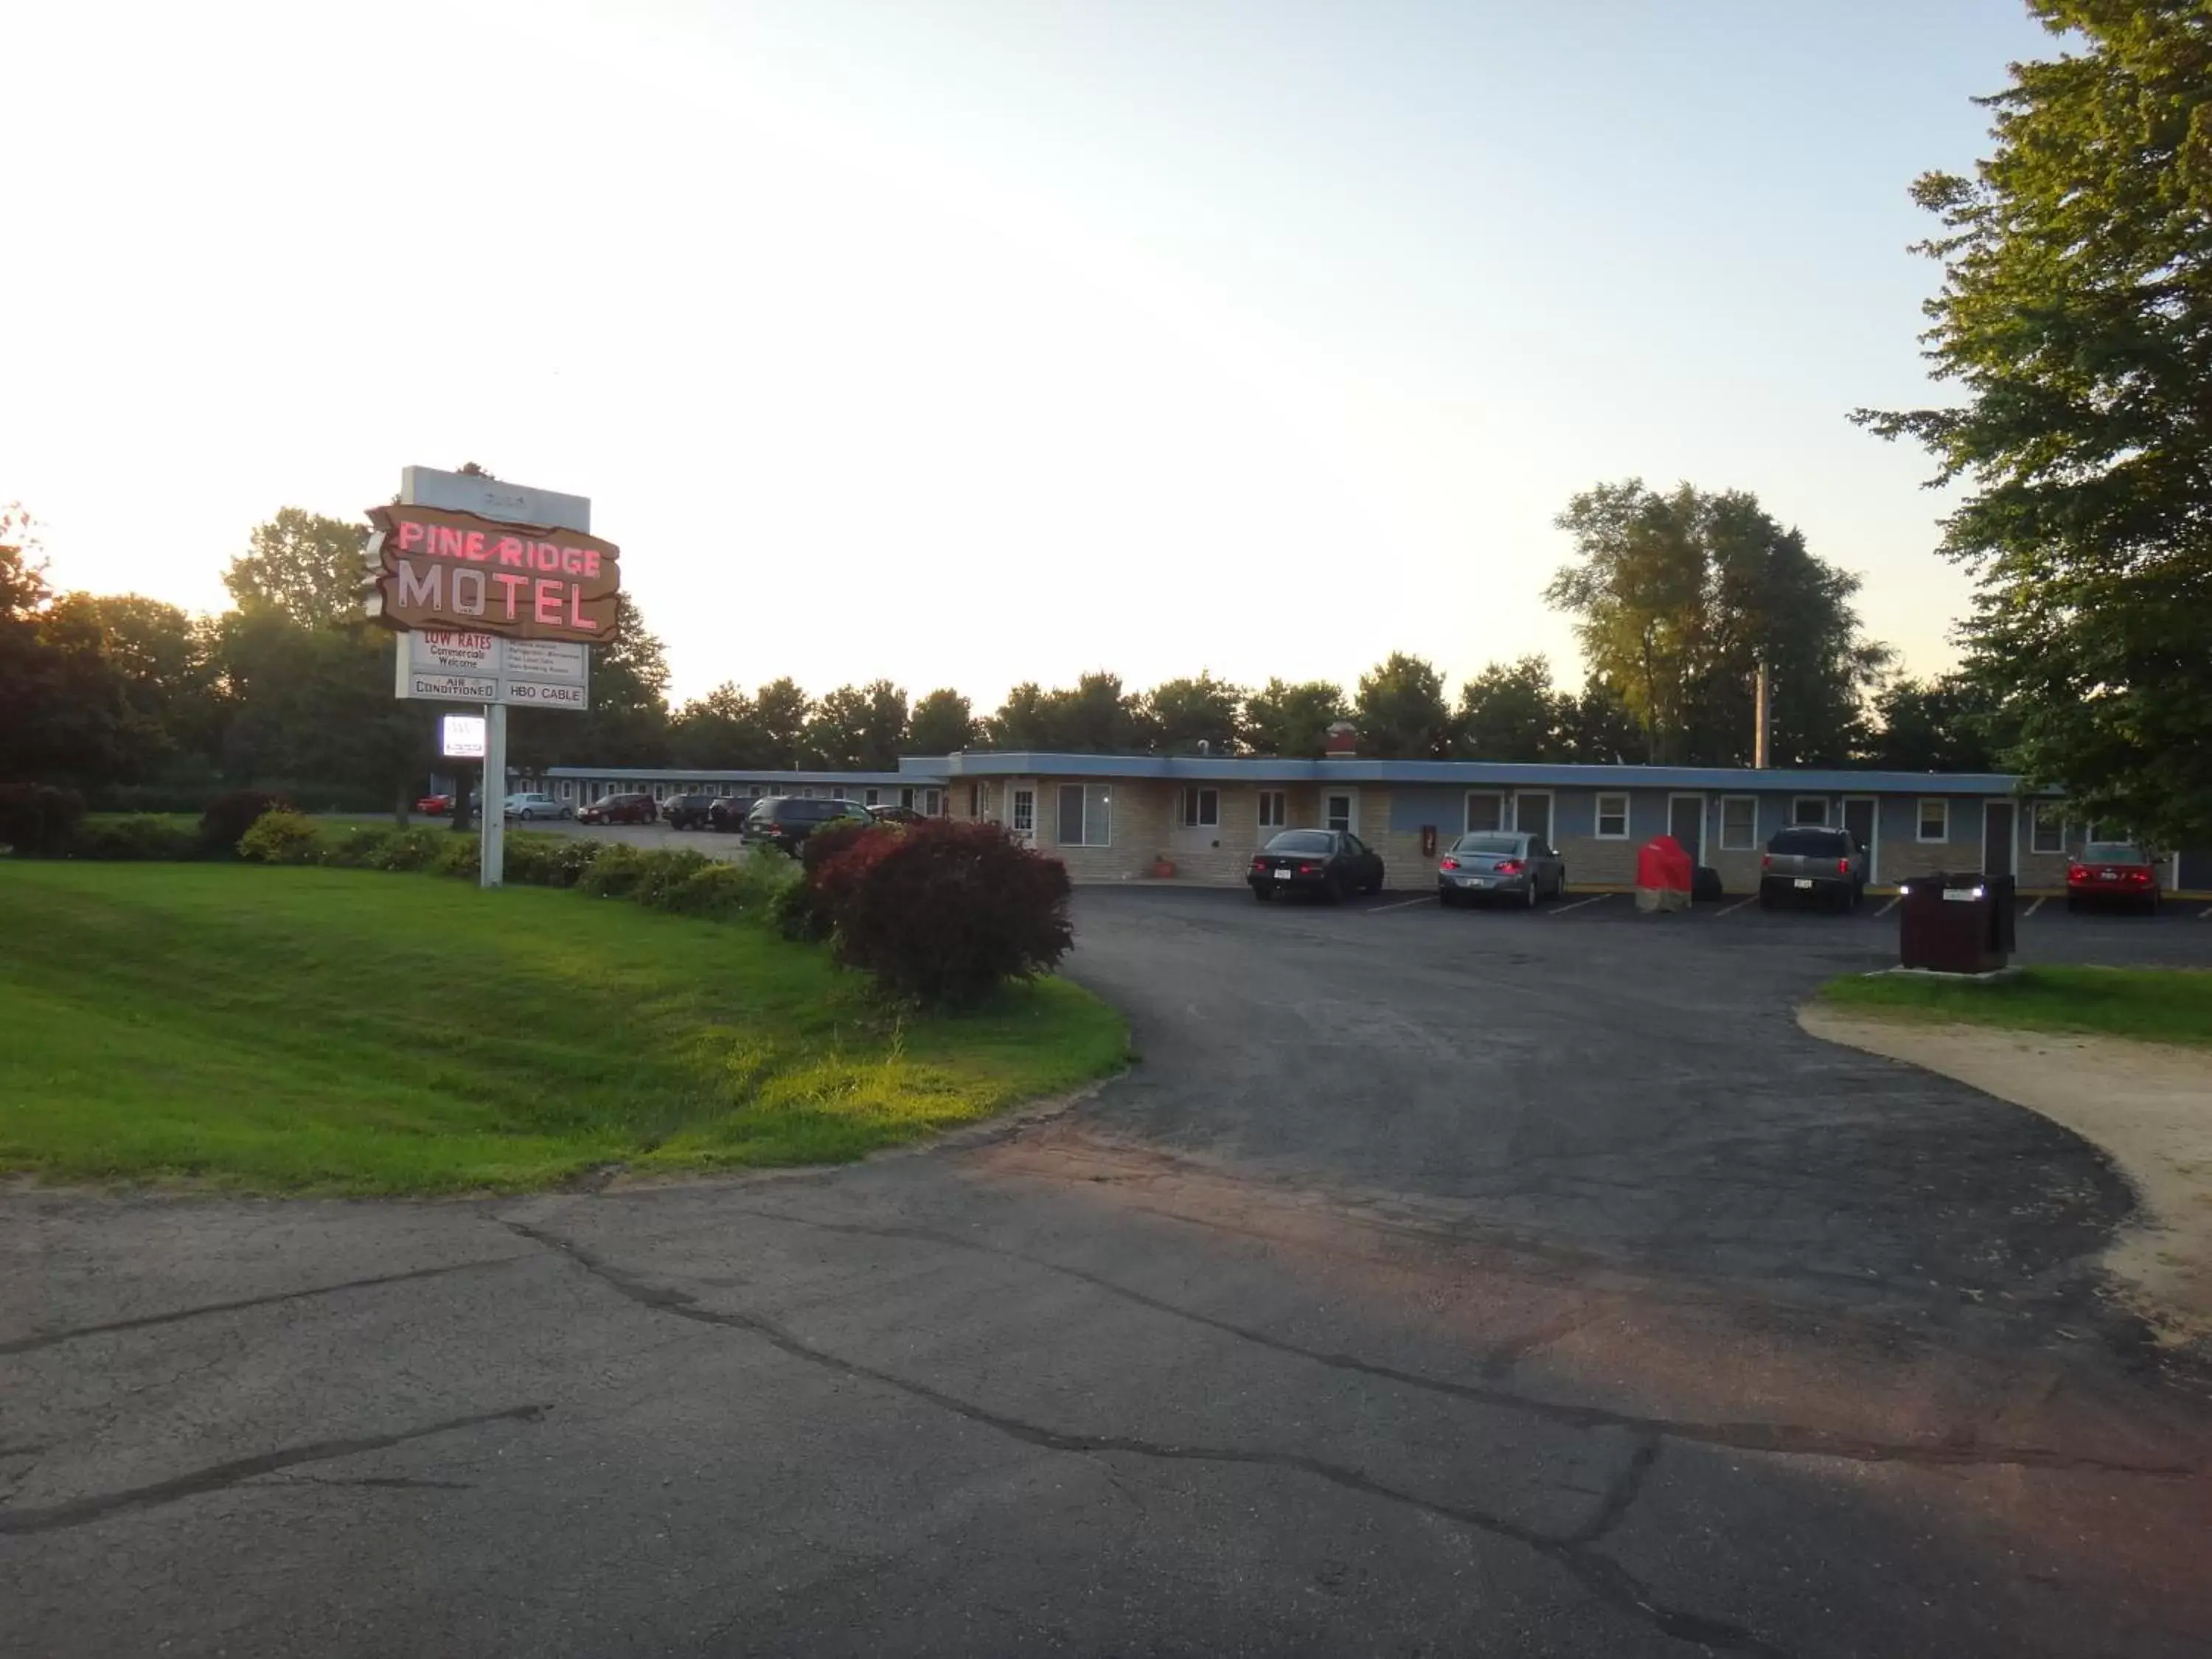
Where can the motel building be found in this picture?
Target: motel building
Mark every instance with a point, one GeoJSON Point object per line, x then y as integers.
{"type": "Point", "coordinates": [1129, 818]}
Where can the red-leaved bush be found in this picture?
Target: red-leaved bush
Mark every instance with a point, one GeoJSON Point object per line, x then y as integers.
{"type": "Point", "coordinates": [944, 912]}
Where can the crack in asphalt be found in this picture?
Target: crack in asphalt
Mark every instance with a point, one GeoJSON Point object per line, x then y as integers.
{"type": "Point", "coordinates": [1620, 1497]}
{"type": "Point", "coordinates": [382, 1482]}
{"type": "Point", "coordinates": [78, 1511]}
{"type": "Point", "coordinates": [1783, 1439]}
{"type": "Point", "coordinates": [1602, 1576]}
{"type": "Point", "coordinates": [49, 1339]}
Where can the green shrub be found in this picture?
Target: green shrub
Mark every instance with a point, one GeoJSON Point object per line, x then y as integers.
{"type": "Point", "coordinates": [140, 836]}
{"type": "Point", "coordinates": [230, 817]}
{"type": "Point", "coordinates": [281, 838]}
{"type": "Point", "coordinates": [724, 892]}
{"type": "Point", "coordinates": [549, 860]}
{"type": "Point", "coordinates": [363, 847]}
{"type": "Point", "coordinates": [457, 855]}
{"type": "Point", "coordinates": [418, 849]}
{"type": "Point", "coordinates": [665, 872]}
{"type": "Point", "coordinates": [38, 820]}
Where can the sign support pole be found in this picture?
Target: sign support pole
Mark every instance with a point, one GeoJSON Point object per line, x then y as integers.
{"type": "Point", "coordinates": [491, 867]}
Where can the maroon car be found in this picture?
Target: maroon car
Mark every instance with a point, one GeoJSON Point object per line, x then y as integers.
{"type": "Point", "coordinates": [620, 808]}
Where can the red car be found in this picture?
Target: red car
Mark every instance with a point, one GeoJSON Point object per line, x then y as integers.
{"type": "Point", "coordinates": [2112, 872]}
{"type": "Point", "coordinates": [434, 806]}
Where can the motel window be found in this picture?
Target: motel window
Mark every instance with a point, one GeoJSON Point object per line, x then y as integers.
{"type": "Point", "coordinates": [873, 798]}
{"type": "Point", "coordinates": [1201, 808]}
{"type": "Point", "coordinates": [1809, 809]}
{"type": "Point", "coordinates": [1935, 821]}
{"type": "Point", "coordinates": [1738, 822]}
{"type": "Point", "coordinates": [1274, 805]}
{"type": "Point", "coordinates": [933, 803]}
{"type": "Point", "coordinates": [1613, 817]}
{"type": "Point", "coordinates": [1484, 810]}
{"type": "Point", "coordinates": [837, 791]}
{"type": "Point", "coordinates": [1085, 815]}
{"type": "Point", "coordinates": [2047, 830]}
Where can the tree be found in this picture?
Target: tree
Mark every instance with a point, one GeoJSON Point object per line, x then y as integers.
{"type": "Point", "coordinates": [837, 731]}
{"type": "Point", "coordinates": [1293, 720]}
{"type": "Point", "coordinates": [627, 723]}
{"type": "Point", "coordinates": [883, 726]}
{"type": "Point", "coordinates": [1024, 719]}
{"type": "Point", "coordinates": [1598, 728]}
{"type": "Point", "coordinates": [1509, 712]}
{"type": "Point", "coordinates": [2075, 315]}
{"type": "Point", "coordinates": [941, 723]}
{"type": "Point", "coordinates": [1677, 597]}
{"type": "Point", "coordinates": [1401, 712]}
{"type": "Point", "coordinates": [63, 711]}
{"type": "Point", "coordinates": [1946, 725]}
{"type": "Point", "coordinates": [783, 709]}
{"type": "Point", "coordinates": [310, 568]}
{"type": "Point", "coordinates": [1186, 712]}
{"type": "Point", "coordinates": [719, 732]}
{"type": "Point", "coordinates": [1098, 717]}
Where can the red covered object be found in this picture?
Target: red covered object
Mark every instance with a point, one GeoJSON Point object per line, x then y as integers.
{"type": "Point", "coordinates": [1662, 866]}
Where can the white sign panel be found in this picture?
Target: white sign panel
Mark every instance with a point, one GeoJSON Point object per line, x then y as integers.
{"type": "Point", "coordinates": [461, 736]}
{"type": "Point", "coordinates": [443, 666]}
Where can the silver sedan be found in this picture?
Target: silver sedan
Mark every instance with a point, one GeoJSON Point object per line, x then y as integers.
{"type": "Point", "coordinates": [1500, 864]}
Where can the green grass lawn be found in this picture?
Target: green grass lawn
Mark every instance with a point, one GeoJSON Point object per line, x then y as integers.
{"type": "Point", "coordinates": [2153, 1005]}
{"type": "Point", "coordinates": [338, 1031]}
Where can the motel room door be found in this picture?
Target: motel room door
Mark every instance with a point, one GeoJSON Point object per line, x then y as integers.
{"type": "Point", "coordinates": [1997, 838]}
{"type": "Point", "coordinates": [1861, 818]}
{"type": "Point", "coordinates": [1021, 809]}
{"type": "Point", "coordinates": [1339, 810]}
{"type": "Point", "coordinates": [1686, 822]}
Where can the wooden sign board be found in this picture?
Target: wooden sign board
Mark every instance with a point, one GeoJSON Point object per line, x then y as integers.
{"type": "Point", "coordinates": [440, 568]}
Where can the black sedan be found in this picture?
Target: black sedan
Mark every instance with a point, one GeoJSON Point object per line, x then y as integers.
{"type": "Point", "coordinates": [687, 811]}
{"type": "Point", "coordinates": [1330, 862]}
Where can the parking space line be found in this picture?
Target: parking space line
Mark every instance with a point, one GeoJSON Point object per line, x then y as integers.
{"type": "Point", "coordinates": [1562, 910]}
{"type": "Point", "coordinates": [1402, 904]}
{"type": "Point", "coordinates": [1886, 908]}
{"type": "Point", "coordinates": [1731, 910]}
{"type": "Point", "coordinates": [2037, 905]}
{"type": "Point", "coordinates": [2205, 915]}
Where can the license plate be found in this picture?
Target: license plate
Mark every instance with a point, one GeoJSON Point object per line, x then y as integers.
{"type": "Point", "coordinates": [1478, 881]}
{"type": "Point", "coordinates": [1961, 895]}
{"type": "Point", "coordinates": [1803, 882]}
{"type": "Point", "coordinates": [2107, 875]}
{"type": "Point", "coordinates": [1282, 875]}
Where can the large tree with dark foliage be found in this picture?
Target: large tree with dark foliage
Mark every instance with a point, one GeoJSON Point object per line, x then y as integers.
{"type": "Point", "coordinates": [941, 723]}
{"type": "Point", "coordinates": [1401, 712]}
{"type": "Point", "coordinates": [1282, 717]}
{"type": "Point", "coordinates": [1511, 712]}
{"type": "Point", "coordinates": [2076, 317]}
{"type": "Point", "coordinates": [1676, 598]}
{"type": "Point", "coordinates": [1951, 724]}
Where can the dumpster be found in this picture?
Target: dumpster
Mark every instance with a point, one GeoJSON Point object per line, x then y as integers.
{"type": "Point", "coordinates": [1663, 875]}
{"type": "Point", "coordinates": [1956, 922]}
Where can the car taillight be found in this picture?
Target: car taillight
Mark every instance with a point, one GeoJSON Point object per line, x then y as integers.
{"type": "Point", "coordinates": [1766, 861]}
{"type": "Point", "coordinates": [1448, 864]}
{"type": "Point", "coordinates": [2075, 872]}
{"type": "Point", "coordinates": [1308, 869]}
{"type": "Point", "coordinates": [2139, 877]}
{"type": "Point", "coordinates": [1258, 864]}
{"type": "Point", "coordinates": [1511, 867]}
{"type": "Point", "coordinates": [1843, 866]}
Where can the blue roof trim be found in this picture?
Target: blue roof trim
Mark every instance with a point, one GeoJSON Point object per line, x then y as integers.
{"type": "Point", "coordinates": [685, 774]}
{"type": "Point", "coordinates": [1742, 779]}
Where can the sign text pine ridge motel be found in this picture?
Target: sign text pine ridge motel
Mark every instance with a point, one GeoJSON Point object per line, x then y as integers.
{"type": "Point", "coordinates": [496, 593]}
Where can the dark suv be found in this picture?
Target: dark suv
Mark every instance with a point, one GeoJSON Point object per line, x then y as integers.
{"type": "Point", "coordinates": [786, 821]}
{"type": "Point", "coordinates": [620, 808]}
{"type": "Point", "coordinates": [688, 811]}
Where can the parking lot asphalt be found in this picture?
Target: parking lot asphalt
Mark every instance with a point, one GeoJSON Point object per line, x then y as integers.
{"type": "Point", "coordinates": [1438, 1282]}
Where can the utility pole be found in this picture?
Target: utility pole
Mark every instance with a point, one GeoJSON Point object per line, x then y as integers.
{"type": "Point", "coordinates": [1763, 713]}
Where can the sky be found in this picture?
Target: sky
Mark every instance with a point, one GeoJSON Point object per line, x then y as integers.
{"type": "Point", "coordinates": [971, 344]}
